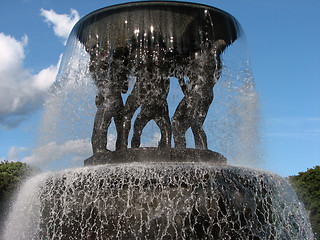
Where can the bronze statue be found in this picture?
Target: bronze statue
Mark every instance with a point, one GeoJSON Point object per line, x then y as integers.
{"type": "Point", "coordinates": [203, 70]}
{"type": "Point", "coordinates": [150, 93]}
{"type": "Point", "coordinates": [153, 91]}
{"type": "Point", "coordinates": [109, 70]}
{"type": "Point", "coordinates": [152, 50]}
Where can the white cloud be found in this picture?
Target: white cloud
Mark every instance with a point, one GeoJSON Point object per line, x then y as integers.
{"type": "Point", "coordinates": [14, 152]}
{"type": "Point", "coordinates": [77, 150]}
{"type": "Point", "coordinates": [21, 92]}
{"type": "Point", "coordinates": [62, 23]}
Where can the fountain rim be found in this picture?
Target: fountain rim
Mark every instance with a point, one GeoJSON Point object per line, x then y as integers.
{"type": "Point", "coordinates": [150, 3]}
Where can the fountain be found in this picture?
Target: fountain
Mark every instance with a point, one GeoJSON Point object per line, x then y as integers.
{"type": "Point", "coordinates": [130, 59]}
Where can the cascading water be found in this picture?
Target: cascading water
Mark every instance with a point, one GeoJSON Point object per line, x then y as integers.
{"type": "Point", "coordinates": [162, 201]}
{"type": "Point", "coordinates": [168, 53]}
{"type": "Point", "coordinates": [232, 120]}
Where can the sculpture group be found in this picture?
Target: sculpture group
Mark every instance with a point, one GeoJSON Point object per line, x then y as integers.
{"type": "Point", "coordinates": [196, 71]}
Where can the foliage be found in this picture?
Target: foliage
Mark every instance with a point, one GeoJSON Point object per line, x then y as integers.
{"type": "Point", "coordinates": [11, 176]}
{"type": "Point", "coordinates": [307, 187]}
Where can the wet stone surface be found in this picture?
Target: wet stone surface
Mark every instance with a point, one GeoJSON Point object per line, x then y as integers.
{"type": "Point", "coordinates": [156, 155]}
{"type": "Point", "coordinates": [169, 201]}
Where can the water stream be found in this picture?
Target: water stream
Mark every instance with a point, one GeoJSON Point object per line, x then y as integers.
{"type": "Point", "coordinates": [156, 200]}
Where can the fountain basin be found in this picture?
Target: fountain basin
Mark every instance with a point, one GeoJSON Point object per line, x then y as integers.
{"type": "Point", "coordinates": [179, 25]}
{"type": "Point", "coordinates": [159, 201]}
{"type": "Point", "coordinates": [164, 192]}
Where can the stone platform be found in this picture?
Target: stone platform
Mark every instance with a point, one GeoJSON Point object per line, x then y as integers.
{"type": "Point", "coordinates": [156, 155]}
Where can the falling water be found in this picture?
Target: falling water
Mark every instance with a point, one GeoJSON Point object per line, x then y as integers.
{"type": "Point", "coordinates": [156, 200]}
{"type": "Point", "coordinates": [162, 201]}
{"type": "Point", "coordinates": [232, 123]}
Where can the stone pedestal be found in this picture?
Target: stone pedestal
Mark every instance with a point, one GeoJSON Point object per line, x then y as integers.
{"type": "Point", "coordinates": [150, 155]}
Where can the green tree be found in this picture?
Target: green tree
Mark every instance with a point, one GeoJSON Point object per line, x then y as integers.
{"type": "Point", "coordinates": [11, 176]}
{"type": "Point", "coordinates": [307, 186]}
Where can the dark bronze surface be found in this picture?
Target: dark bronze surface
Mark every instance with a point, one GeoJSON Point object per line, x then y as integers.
{"type": "Point", "coordinates": [152, 42]}
{"type": "Point", "coordinates": [156, 155]}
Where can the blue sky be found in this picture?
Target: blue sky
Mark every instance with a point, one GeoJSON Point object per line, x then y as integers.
{"type": "Point", "coordinates": [283, 41]}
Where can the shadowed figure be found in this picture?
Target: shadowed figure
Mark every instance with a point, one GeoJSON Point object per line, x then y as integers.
{"type": "Point", "coordinates": [153, 88]}
{"type": "Point", "coordinates": [150, 92]}
{"type": "Point", "coordinates": [159, 38]}
{"type": "Point", "coordinates": [109, 71]}
{"type": "Point", "coordinates": [204, 69]}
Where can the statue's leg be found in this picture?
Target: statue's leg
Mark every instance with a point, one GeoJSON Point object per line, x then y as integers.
{"type": "Point", "coordinates": [200, 137]}
{"type": "Point", "coordinates": [198, 117]}
{"type": "Point", "coordinates": [118, 122]}
{"type": "Point", "coordinates": [132, 104]}
{"type": "Point", "coordinates": [163, 122]}
{"type": "Point", "coordinates": [100, 128]}
{"type": "Point", "coordinates": [141, 121]}
{"type": "Point", "coordinates": [180, 124]}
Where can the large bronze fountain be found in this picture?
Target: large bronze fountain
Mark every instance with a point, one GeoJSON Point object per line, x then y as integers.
{"type": "Point", "coordinates": [170, 191]}
{"type": "Point", "coordinates": [137, 39]}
